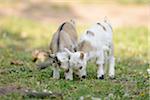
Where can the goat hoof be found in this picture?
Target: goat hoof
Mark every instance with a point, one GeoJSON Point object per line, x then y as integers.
{"type": "Point", "coordinates": [112, 78]}
{"type": "Point", "coordinates": [83, 76]}
{"type": "Point", "coordinates": [101, 77]}
{"type": "Point", "coordinates": [69, 79]}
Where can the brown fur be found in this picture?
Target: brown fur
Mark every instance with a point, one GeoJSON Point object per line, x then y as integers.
{"type": "Point", "coordinates": [39, 55]}
{"type": "Point", "coordinates": [65, 37]}
{"type": "Point", "coordinates": [81, 55]}
{"type": "Point", "coordinates": [85, 46]}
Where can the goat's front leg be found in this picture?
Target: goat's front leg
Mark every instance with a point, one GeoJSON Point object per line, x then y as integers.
{"type": "Point", "coordinates": [112, 67]}
{"type": "Point", "coordinates": [82, 72]}
{"type": "Point", "coordinates": [56, 74]}
{"type": "Point", "coordinates": [69, 74]}
{"type": "Point", "coordinates": [111, 62]}
{"type": "Point", "coordinates": [100, 63]}
{"type": "Point", "coordinates": [100, 71]}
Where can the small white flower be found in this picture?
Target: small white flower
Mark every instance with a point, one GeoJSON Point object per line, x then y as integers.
{"type": "Point", "coordinates": [50, 92]}
{"type": "Point", "coordinates": [88, 96]}
{"type": "Point", "coordinates": [81, 98]}
{"type": "Point", "coordinates": [95, 98]}
{"type": "Point", "coordinates": [148, 70]}
{"type": "Point", "coordinates": [38, 83]}
{"type": "Point", "coordinates": [26, 90]}
{"type": "Point", "coordinates": [45, 90]}
{"type": "Point", "coordinates": [34, 91]}
{"type": "Point", "coordinates": [126, 95]}
{"type": "Point", "coordinates": [140, 72]}
{"type": "Point", "coordinates": [110, 95]}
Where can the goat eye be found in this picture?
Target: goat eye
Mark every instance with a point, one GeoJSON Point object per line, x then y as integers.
{"type": "Point", "coordinates": [80, 67]}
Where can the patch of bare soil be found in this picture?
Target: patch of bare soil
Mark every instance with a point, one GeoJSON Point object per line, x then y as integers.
{"type": "Point", "coordinates": [11, 89]}
{"type": "Point", "coordinates": [28, 92]}
{"type": "Point", "coordinates": [48, 12]}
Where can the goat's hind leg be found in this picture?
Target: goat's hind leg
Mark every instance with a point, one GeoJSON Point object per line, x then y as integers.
{"type": "Point", "coordinates": [100, 71]}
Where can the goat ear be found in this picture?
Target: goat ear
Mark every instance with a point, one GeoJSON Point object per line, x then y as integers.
{"type": "Point", "coordinates": [90, 33]}
{"type": "Point", "coordinates": [49, 51]}
{"type": "Point", "coordinates": [82, 55]}
{"type": "Point", "coordinates": [68, 51]}
{"type": "Point", "coordinates": [73, 21]}
{"type": "Point", "coordinates": [105, 19]}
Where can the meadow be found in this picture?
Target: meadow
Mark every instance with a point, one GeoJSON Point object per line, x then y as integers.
{"type": "Point", "coordinates": [20, 36]}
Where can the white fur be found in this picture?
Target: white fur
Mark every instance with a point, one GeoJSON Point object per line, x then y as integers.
{"type": "Point", "coordinates": [72, 62]}
{"type": "Point", "coordinates": [69, 74]}
{"type": "Point", "coordinates": [101, 41]}
{"type": "Point", "coordinates": [76, 62]}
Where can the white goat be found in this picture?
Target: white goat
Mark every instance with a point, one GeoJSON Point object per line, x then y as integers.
{"type": "Point", "coordinates": [97, 42]}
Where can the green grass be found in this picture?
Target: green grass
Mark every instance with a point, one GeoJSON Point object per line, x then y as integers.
{"type": "Point", "coordinates": [133, 1]}
{"type": "Point", "coordinates": [18, 37]}
{"type": "Point", "coordinates": [10, 3]}
{"type": "Point", "coordinates": [124, 2]}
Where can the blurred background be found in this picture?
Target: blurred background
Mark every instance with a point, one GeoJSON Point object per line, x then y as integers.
{"type": "Point", "coordinates": [29, 24]}
{"type": "Point", "coordinates": [120, 12]}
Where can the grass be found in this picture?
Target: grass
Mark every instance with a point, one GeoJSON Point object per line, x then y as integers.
{"type": "Point", "coordinates": [133, 1]}
{"type": "Point", "coordinates": [8, 3]}
{"type": "Point", "coordinates": [18, 37]}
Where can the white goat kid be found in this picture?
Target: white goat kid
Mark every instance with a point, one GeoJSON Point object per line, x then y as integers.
{"type": "Point", "coordinates": [97, 43]}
